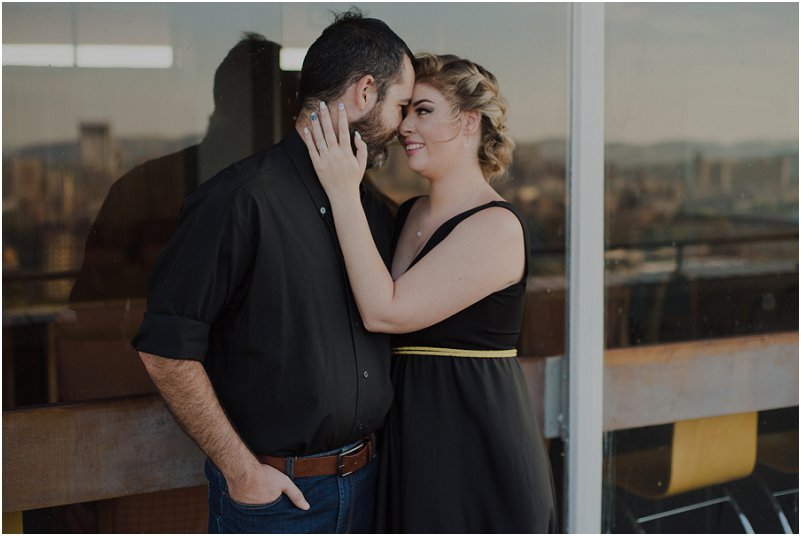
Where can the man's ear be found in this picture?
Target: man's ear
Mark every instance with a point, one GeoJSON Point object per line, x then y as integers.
{"type": "Point", "coordinates": [471, 122]}
{"type": "Point", "coordinates": [363, 92]}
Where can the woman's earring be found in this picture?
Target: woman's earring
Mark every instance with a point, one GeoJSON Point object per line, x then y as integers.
{"type": "Point", "coordinates": [464, 142]}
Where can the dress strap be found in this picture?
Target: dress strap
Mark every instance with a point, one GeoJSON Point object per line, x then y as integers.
{"type": "Point", "coordinates": [524, 224]}
{"type": "Point", "coordinates": [445, 229]}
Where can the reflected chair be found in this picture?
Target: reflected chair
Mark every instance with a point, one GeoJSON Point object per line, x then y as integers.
{"type": "Point", "coordinates": [695, 454]}
{"type": "Point", "coordinates": [777, 456]}
{"type": "Point", "coordinates": [779, 450]}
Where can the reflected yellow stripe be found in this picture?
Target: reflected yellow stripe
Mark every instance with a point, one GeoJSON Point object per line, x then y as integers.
{"type": "Point", "coordinates": [453, 352]}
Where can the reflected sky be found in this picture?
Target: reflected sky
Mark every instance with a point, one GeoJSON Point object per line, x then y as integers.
{"type": "Point", "coordinates": [716, 72]}
{"type": "Point", "coordinates": [711, 72]}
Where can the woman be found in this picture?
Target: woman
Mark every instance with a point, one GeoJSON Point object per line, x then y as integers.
{"type": "Point", "coordinates": [462, 451]}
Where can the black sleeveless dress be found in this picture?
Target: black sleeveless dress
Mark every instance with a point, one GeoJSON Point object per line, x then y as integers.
{"type": "Point", "coordinates": [461, 449]}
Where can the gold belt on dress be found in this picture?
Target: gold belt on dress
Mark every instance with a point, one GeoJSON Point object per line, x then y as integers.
{"type": "Point", "coordinates": [452, 352]}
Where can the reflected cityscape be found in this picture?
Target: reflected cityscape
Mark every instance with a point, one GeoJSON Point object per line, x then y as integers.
{"type": "Point", "coordinates": [657, 196]}
{"type": "Point", "coordinates": [701, 217]}
{"type": "Point", "coordinates": [52, 194]}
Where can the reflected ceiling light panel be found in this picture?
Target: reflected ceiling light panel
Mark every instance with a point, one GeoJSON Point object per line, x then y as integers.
{"type": "Point", "coordinates": [124, 56]}
{"type": "Point", "coordinates": [39, 55]}
{"type": "Point", "coordinates": [292, 58]}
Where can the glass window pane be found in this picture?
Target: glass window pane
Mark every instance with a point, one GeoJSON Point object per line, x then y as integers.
{"type": "Point", "coordinates": [702, 244]}
{"type": "Point", "coordinates": [113, 113]}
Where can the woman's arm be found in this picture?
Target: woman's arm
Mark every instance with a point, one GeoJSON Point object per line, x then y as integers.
{"type": "Point", "coordinates": [483, 254]}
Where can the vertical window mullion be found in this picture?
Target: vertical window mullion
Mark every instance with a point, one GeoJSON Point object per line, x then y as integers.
{"type": "Point", "coordinates": [585, 271]}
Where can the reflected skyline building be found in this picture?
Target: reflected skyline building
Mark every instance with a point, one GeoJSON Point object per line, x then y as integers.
{"type": "Point", "coordinates": [98, 164]}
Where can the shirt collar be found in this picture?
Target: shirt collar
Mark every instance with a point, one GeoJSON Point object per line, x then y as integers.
{"type": "Point", "coordinates": [299, 155]}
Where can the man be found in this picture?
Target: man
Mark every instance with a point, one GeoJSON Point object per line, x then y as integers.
{"type": "Point", "coordinates": [252, 335]}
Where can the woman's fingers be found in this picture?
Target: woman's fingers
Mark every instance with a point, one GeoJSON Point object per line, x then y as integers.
{"type": "Point", "coordinates": [310, 145]}
{"type": "Point", "coordinates": [317, 133]}
{"type": "Point", "coordinates": [330, 149]}
{"type": "Point", "coordinates": [361, 151]}
{"type": "Point", "coordinates": [344, 132]}
{"type": "Point", "coordinates": [327, 126]}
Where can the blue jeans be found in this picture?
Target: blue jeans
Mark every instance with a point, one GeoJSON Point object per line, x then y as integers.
{"type": "Point", "coordinates": [338, 505]}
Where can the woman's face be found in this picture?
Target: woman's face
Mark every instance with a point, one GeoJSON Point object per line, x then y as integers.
{"type": "Point", "coordinates": [429, 132]}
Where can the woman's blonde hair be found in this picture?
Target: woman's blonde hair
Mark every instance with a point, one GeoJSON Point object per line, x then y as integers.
{"type": "Point", "coordinates": [470, 87]}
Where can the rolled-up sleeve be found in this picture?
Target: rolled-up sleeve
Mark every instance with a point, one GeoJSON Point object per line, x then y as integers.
{"type": "Point", "coordinates": [197, 274]}
{"type": "Point", "coordinates": [172, 336]}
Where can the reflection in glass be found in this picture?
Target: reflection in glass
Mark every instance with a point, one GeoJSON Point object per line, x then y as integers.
{"type": "Point", "coordinates": [702, 242]}
{"type": "Point", "coordinates": [97, 158]}
{"type": "Point", "coordinates": [39, 55]}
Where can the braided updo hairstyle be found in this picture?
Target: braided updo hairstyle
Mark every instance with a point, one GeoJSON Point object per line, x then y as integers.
{"type": "Point", "coordinates": [470, 87]}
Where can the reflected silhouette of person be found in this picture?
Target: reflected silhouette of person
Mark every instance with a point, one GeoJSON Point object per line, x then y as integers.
{"type": "Point", "coordinates": [139, 214]}
{"type": "Point", "coordinates": [137, 218]}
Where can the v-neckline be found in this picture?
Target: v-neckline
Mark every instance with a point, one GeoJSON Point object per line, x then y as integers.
{"type": "Point", "coordinates": [425, 249]}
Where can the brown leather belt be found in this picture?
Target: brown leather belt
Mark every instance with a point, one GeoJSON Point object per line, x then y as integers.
{"type": "Point", "coordinates": [341, 464]}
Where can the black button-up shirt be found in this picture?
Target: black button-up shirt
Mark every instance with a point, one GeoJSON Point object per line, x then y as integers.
{"type": "Point", "coordinates": [253, 285]}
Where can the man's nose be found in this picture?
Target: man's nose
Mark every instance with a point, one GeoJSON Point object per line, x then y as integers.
{"type": "Point", "coordinates": [404, 127]}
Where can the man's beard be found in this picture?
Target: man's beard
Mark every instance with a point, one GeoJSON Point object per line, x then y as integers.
{"type": "Point", "coordinates": [375, 135]}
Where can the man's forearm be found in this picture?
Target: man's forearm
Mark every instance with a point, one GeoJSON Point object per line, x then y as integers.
{"type": "Point", "coordinates": [186, 388]}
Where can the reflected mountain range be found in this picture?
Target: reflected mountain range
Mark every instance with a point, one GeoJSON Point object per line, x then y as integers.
{"type": "Point", "coordinates": [629, 155]}
{"type": "Point", "coordinates": [135, 149]}
{"type": "Point", "coordinates": [132, 150]}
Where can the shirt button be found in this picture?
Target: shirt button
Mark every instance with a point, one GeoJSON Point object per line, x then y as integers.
{"type": "Point", "coordinates": [365, 373]}
{"type": "Point", "coordinates": [360, 426]}
{"type": "Point", "coordinates": [323, 211]}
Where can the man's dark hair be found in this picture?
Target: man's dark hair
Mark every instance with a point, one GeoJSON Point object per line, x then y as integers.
{"type": "Point", "coordinates": [351, 47]}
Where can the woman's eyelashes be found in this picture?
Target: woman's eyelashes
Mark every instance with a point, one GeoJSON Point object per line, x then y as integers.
{"type": "Point", "coordinates": [423, 110]}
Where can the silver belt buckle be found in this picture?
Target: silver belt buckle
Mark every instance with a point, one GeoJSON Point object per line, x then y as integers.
{"type": "Point", "coordinates": [341, 460]}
